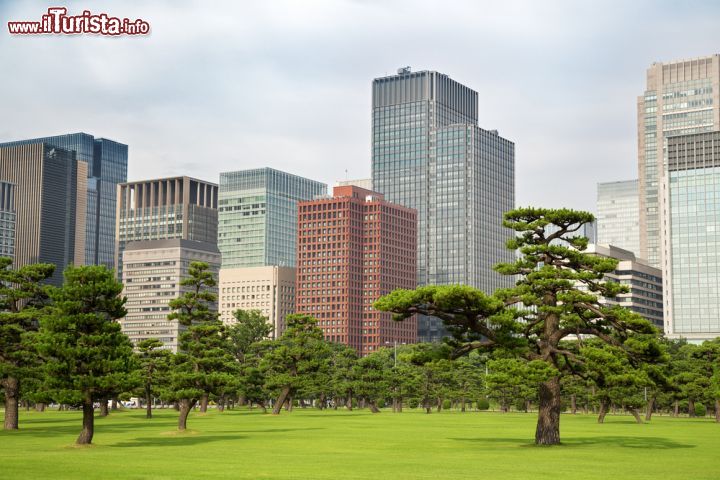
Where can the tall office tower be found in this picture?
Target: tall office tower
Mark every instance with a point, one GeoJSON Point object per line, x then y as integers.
{"type": "Point", "coordinates": [50, 204]}
{"type": "Point", "coordinates": [429, 154]}
{"type": "Point", "coordinates": [152, 272]}
{"type": "Point", "coordinates": [107, 162]}
{"type": "Point", "coordinates": [270, 290]}
{"type": "Point", "coordinates": [618, 215]}
{"type": "Point", "coordinates": [691, 236]}
{"type": "Point", "coordinates": [353, 248]}
{"type": "Point", "coordinates": [7, 219]}
{"type": "Point", "coordinates": [644, 281]}
{"type": "Point", "coordinates": [165, 208]}
{"type": "Point", "coordinates": [258, 216]}
{"type": "Point", "coordinates": [680, 98]}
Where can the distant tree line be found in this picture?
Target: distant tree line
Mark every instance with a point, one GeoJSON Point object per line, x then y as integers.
{"type": "Point", "coordinates": [545, 345]}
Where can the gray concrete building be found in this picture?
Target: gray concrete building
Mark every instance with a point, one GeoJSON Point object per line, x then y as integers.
{"type": "Point", "coordinates": [258, 216]}
{"type": "Point", "coordinates": [152, 272]}
{"type": "Point", "coordinates": [691, 236]}
{"type": "Point", "coordinates": [681, 97]}
{"type": "Point", "coordinates": [270, 290]}
{"type": "Point", "coordinates": [50, 204]}
{"type": "Point", "coordinates": [429, 154]}
{"type": "Point", "coordinates": [618, 215]}
{"type": "Point", "coordinates": [7, 219]}
{"type": "Point", "coordinates": [644, 281]}
{"type": "Point", "coordinates": [365, 183]}
{"type": "Point", "coordinates": [166, 208]}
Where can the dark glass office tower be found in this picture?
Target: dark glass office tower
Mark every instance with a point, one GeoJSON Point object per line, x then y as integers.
{"type": "Point", "coordinates": [50, 191]}
{"type": "Point", "coordinates": [107, 166]}
{"type": "Point", "coordinates": [428, 153]}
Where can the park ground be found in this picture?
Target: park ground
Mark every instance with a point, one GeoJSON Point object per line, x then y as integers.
{"type": "Point", "coordinates": [310, 444]}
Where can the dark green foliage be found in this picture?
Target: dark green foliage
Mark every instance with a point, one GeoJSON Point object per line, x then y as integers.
{"type": "Point", "coordinates": [292, 362]}
{"type": "Point", "coordinates": [204, 364]}
{"type": "Point", "coordinates": [154, 367]}
{"type": "Point", "coordinates": [245, 336]}
{"type": "Point", "coordinates": [86, 355]}
{"type": "Point", "coordinates": [555, 296]}
{"type": "Point", "coordinates": [483, 404]}
{"type": "Point", "coordinates": [23, 298]}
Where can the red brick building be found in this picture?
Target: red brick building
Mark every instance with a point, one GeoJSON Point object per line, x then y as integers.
{"type": "Point", "coordinates": [353, 248]}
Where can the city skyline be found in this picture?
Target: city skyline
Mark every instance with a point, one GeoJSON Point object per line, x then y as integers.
{"type": "Point", "coordinates": [289, 100]}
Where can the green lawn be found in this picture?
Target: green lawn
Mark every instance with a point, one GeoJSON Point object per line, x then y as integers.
{"type": "Point", "coordinates": [308, 444]}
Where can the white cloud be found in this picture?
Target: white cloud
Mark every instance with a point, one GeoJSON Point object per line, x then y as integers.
{"type": "Point", "coordinates": [287, 83]}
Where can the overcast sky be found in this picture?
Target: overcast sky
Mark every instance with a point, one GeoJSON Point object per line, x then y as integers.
{"type": "Point", "coordinates": [286, 84]}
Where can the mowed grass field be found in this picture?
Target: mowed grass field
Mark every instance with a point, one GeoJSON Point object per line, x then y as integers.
{"type": "Point", "coordinates": [309, 444]}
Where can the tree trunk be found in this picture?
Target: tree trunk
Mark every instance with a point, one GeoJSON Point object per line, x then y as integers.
{"type": "Point", "coordinates": [649, 409]}
{"type": "Point", "coordinates": [40, 407]}
{"type": "Point", "coordinates": [691, 407]}
{"type": "Point", "coordinates": [438, 405]}
{"type": "Point", "coordinates": [548, 425]}
{"type": "Point", "coordinates": [290, 403]}
{"type": "Point", "coordinates": [462, 404]}
{"type": "Point", "coordinates": [12, 391]}
{"type": "Point", "coordinates": [113, 403]}
{"type": "Point", "coordinates": [399, 404]}
{"type": "Point", "coordinates": [148, 402]}
{"type": "Point", "coordinates": [204, 402]}
{"type": "Point", "coordinates": [104, 407]}
{"type": "Point", "coordinates": [284, 393]}
{"type": "Point", "coordinates": [186, 405]}
{"type": "Point", "coordinates": [717, 410]}
{"type": "Point", "coordinates": [348, 402]}
{"type": "Point", "coordinates": [373, 406]}
{"type": "Point", "coordinates": [676, 408]}
{"type": "Point", "coordinates": [573, 404]}
{"type": "Point", "coordinates": [88, 423]}
{"type": "Point", "coordinates": [604, 404]}
{"type": "Point", "coordinates": [635, 414]}
{"type": "Point", "coordinates": [221, 403]}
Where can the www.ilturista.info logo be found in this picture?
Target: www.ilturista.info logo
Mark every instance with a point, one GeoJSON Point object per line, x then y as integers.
{"type": "Point", "coordinates": [57, 21]}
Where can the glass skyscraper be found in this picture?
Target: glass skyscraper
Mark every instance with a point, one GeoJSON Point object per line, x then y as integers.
{"type": "Point", "coordinates": [257, 216]}
{"type": "Point", "coordinates": [680, 98]}
{"type": "Point", "coordinates": [107, 162]}
{"type": "Point", "coordinates": [691, 236]}
{"type": "Point", "coordinates": [618, 215]}
{"type": "Point", "coordinates": [428, 153]}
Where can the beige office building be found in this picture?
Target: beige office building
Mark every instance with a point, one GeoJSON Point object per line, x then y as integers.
{"type": "Point", "coordinates": [271, 290]}
{"type": "Point", "coordinates": [50, 202]}
{"type": "Point", "coordinates": [681, 97]}
{"type": "Point", "coordinates": [152, 272]}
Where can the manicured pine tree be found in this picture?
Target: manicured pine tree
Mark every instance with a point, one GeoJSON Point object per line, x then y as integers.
{"type": "Point", "coordinates": [23, 297]}
{"type": "Point", "coordinates": [293, 358]}
{"type": "Point", "coordinates": [342, 374]}
{"type": "Point", "coordinates": [556, 296]}
{"type": "Point", "coordinates": [246, 336]}
{"type": "Point", "coordinates": [204, 363]}
{"type": "Point", "coordinates": [81, 342]}
{"type": "Point", "coordinates": [154, 366]}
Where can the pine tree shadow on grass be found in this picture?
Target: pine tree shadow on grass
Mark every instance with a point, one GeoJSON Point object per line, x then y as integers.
{"type": "Point", "coordinates": [645, 443]}
{"type": "Point", "coordinates": [176, 441]}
